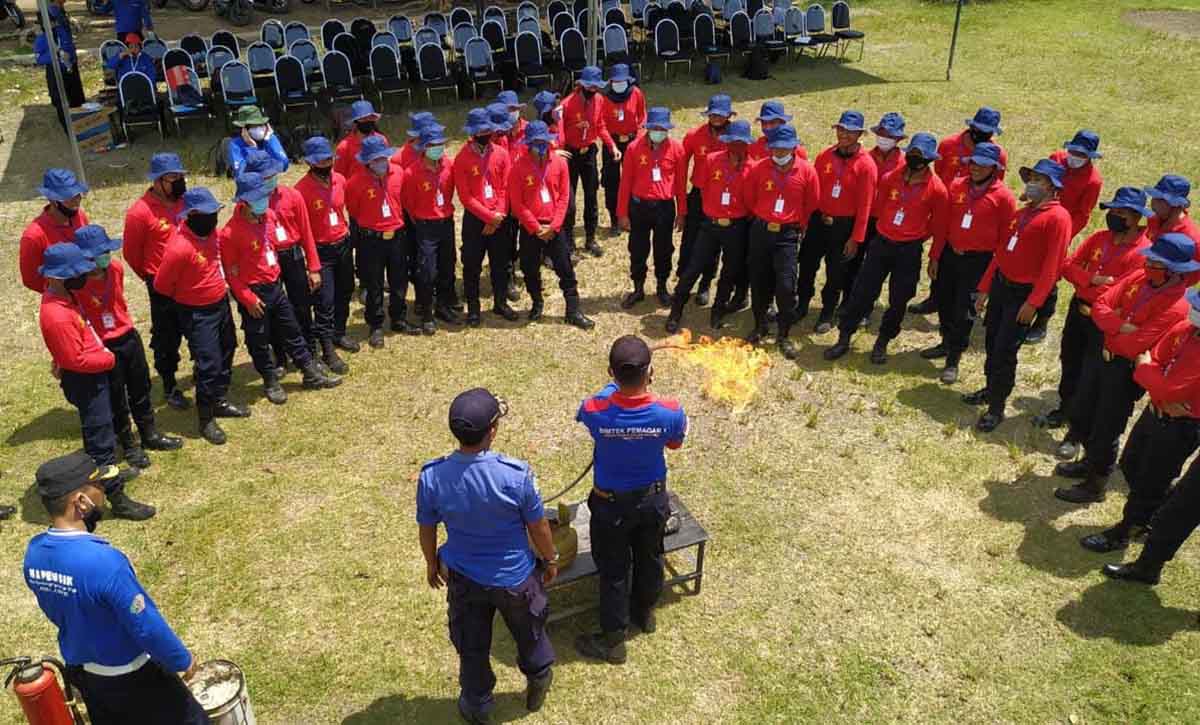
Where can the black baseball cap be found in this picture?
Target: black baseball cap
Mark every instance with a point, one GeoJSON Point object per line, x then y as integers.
{"type": "Point", "coordinates": [629, 353]}
{"type": "Point", "coordinates": [474, 411]}
{"type": "Point", "coordinates": [59, 476]}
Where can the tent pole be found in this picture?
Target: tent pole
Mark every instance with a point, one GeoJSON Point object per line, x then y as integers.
{"type": "Point", "coordinates": [954, 38]}
{"type": "Point", "coordinates": [52, 44]}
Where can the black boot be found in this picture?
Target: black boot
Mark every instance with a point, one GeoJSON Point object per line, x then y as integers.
{"type": "Point", "coordinates": [209, 429]}
{"type": "Point", "coordinates": [824, 322]}
{"type": "Point", "coordinates": [535, 310]}
{"type": "Point", "coordinates": [1142, 570]}
{"type": "Point", "coordinates": [174, 396]}
{"type": "Point", "coordinates": [989, 420]}
{"type": "Point", "coordinates": [950, 372]}
{"type": "Point", "coordinates": [535, 692]}
{"type": "Point", "coordinates": [645, 622]}
{"type": "Point", "coordinates": [978, 397]}
{"type": "Point", "coordinates": [155, 441]}
{"type": "Point", "coordinates": [839, 348]}
{"type": "Point", "coordinates": [757, 334]}
{"type": "Point", "coordinates": [513, 293]}
{"type": "Point", "coordinates": [632, 298]}
{"type": "Point", "coordinates": [717, 319]}
{"type": "Point", "coordinates": [676, 314]}
{"type": "Point", "coordinates": [926, 306]}
{"type": "Point", "coordinates": [1056, 418]}
{"type": "Point", "coordinates": [879, 354]}
{"type": "Point", "coordinates": [577, 318]}
{"type": "Point", "coordinates": [1072, 469]}
{"type": "Point", "coordinates": [224, 409]}
{"type": "Point", "coordinates": [428, 327]}
{"type": "Point", "coordinates": [664, 297]}
{"type": "Point", "coordinates": [314, 379]}
{"type": "Point", "coordinates": [502, 309]}
{"type": "Point", "coordinates": [124, 507]}
{"type": "Point", "coordinates": [332, 360]}
{"type": "Point", "coordinates": [376, 338]}
{"type": "Point", "coordinates": [934, 353]}
{"type": "Point", "coordinates": [273, 390]}
{"type": "Point", "coordinates": [447, 315]}
{"type": "Point", "coordinates": [345, 342]}
{"type": "Point", "coordinates": [1090, 490]}
{"type": "Point", "coordinates": [1109, 540]}
{"type": "Point", "coordinates": [134, 455]}
{"type": "Point", "coordinates": [607, 646]}
{"type": "Point", "coordinates": [788, 348]}
{"type": "Point", "coordinates": [592, 246]}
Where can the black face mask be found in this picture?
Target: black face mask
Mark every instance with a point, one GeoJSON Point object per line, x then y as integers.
{"type": "Point", "coordinates": [588, 93]}
{"type": "Point", "coordinates": [548, 118]}
{"type": "Point", "coordinates": [65, 210]}
{"type": "Point", "coordinates": [979, 136]}
{"type": "Point", "coordinates": [92, 518]}
{"type": "Point", "coordinates": [178, 188]}
{"type": "Point", "coordinates": [75, 283]}
{"type": "Point", "coordinates": [916, 162]}
{"type": "Point", "coordinates": [366, 128]}
{"type": "Point", "coordinates": [322, 172]}
{"type": "Point", "coordinates": [482, 140]}
{"type": "Point", "coordinates": [845, 153]}
{"type": "Point", "coordinates": [202, 224]}
{"type": "Point", "coordinates": [1116, 223]}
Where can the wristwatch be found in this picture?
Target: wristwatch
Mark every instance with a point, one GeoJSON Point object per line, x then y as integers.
{"type": "Point", "coordinates": [553, 561]}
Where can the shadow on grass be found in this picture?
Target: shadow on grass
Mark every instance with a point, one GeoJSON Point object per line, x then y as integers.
{"type": "Point", "coordinates": [57, 424]}
{"type": "Point", "coordinates": [417, 709]}
{"type": "Point", "coordinates": [1127, 613]}
{"type": "Point", "coordinates": [944, 404]}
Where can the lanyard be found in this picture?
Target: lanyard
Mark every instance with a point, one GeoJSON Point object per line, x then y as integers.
{"type": "Point", "coordinates": [326, 195]}
{"type": "Point", "coordinates": [1112, 249]}
{"type": "Point", "coordinates": [731, 170]}
{"type": "Point", "coordinates": [907, 190]}
{"type": "Point", "coordinates": [781, 177]}
{"type": "Point", "coordinates": [109, 286]}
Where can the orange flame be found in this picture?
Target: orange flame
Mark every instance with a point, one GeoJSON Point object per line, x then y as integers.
{"type": "Point", "coordinates": [732, 368]}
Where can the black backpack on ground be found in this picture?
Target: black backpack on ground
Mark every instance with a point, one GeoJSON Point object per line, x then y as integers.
{"type": "Point", "coordinates": [756, 65]}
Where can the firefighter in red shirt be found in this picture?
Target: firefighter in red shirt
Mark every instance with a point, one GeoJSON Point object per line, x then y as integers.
{"type": "Point", "coordinates": [839, 224]}
{"type": "Point", "coordinates": [913, 205]}
{"type": "Point", "coordinates": [781, 194]}
{"type": "Point", "coordinates": [1103, 258]}
{"type": "Point", "coordinates": [427, 193]}
{"type": "Point", "coordinates": [512, 102]}
{"type": "Point", "coordinates": [82, 363]}
{"type": "Point", "coordinates": [150, 223]}
{"type": "Point", "coordinates": [1169, 202]}
{"type": "Point", "coordinates": [103, 302]}
{"type": "Point", "coordinates": [582, 124]}
{"type": "Point", "coordinates": [251, 264]}
{"type": "Point", "coordinates": [1132, 314]}
{"type": "Point", "coordinates": [366, 123]}
{"type": "Point", "coordinates": [724, 232]}
{"type": "Point", "coordinates": [1020, 275]}
{"type": "Point", "coordinates": [770, 117]}
{"type": "Point", "coordinates": [981, 209]}
{"type": "Point", "coordinates": [538, 190]}
{"type": "Point", "coordinates": [888, 156]}
{"type": "Point", "coordinates": [323, 192]}
{"type": "Point", "coordinates": [408, 153]}
{"type": "Point", "coordinates": [698, 144]}
{"type": "Point", "coordinates": [57, 223]}
{"type": "Point", "coordinates": [624, 114]}
{"type": "Point", "coordinates": [652, 199]}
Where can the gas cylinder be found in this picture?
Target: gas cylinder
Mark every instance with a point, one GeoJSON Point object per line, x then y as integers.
{"type": "Point", "coordinates": [41, 697]}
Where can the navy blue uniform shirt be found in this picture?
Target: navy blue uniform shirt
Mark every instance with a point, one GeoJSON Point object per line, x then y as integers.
{"type": "Point", "coordinates": [630, 434]}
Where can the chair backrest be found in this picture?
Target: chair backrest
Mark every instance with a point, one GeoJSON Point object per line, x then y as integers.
{"type": "Point", "coordinates": [572, 45]}
{"type": "Point", "coordinates": [177, 57]}
{"type": "Point", "coordinates": [609, 5]}
{"type": "Point", "coordinates": [583, 21]}
{"type": "Point", "coordinates": [477, 55]}
{"type": "Point", "coordinates": [654, 13]}
{"type": "Point", "coordinates": [189, 78]}
{"type": "Point", "coordinates": [427, 35]}
{"type": "Point", "coordinates": [291, 77]}
{"type": "Point", "coordinates": [438, 22]}
{"type": "Point", "coordinates": [753, 6]}
{"type": "Point", "coordinates": [305, 51]}
{"type": "Point", "coordinates": [638, 8]}
{"type": "Point", "coordinates": [228, 40]}
{"type": "Point", "coordinates": [553, 9]}
{"type": "Point", "coordinates": [700, 7]}
{"type": "Point", "coordinates": [740, 33]}
{"type": "Point", "coordinates": [218, 55]}
{"type": "Point", "coordinates": [385, 63]}
{"type": "Point", "coordinates": [839, 16]}
{"type": "Point", "coordinates": [561, 24]}
{"type": "Point", "coordinates": [431, 63]}
{"type": "Point", "coordinates": [815, 18]}
{"type": "Point", "coordinates": [335, 68]}
{"type": "Point", "coordinates": [237, 81]}
{"type": "Point", "coordinates": [154, 48]}
{"type": "Point", "coordinates": [194, 45]}
{"type": "Point", "coordinates": [527, 10]}
{"type": "Point", "coordinates": [493, 12]}
{"type": "Point", "coordinates": [614, 16]}
{"type": "Point", "coordinates": [110, 49]}
{"type": "Point", "coordinates": [385, 37]}
{"type": "Point", "coordinates": [294, 31]}
{"type": "Point", "coordinates": [462, 33]}
{"type": "Point", "coordinates": [764, 25]}
{"type": "Point", "coordinates": [493, 32]}
{"type": "Point", "coordinates": [794, 25]}
{"type": "Point", "coordinates": [615, 40]}
{"type": "Point", "coordinates": [260, 57]}
{"type": "Point", "coordinates": [401, 27]}
{"type": "Point", "coordinates": [704, 31]}
{"type": "Point", "coordinates": [732, 7]}
{"type": "Point", "coordinates": [330, 29]}
{"type": "Point", "coordinates": [579, 6]}
{"type": "Point", "coordinates": [666, 37]}
{"type": "Point", "coordinates": [461, 15]}
{"type": "Point", "coordinates": [136, 89]}
{"type": "Point", "coordinates": [528, 49]}
{"type": "Point", "coordinates": [345, 44]}
{"type": "Point", "coordinates": [530, 25]}
{"type": "Point", "coordinates": [273, 35]}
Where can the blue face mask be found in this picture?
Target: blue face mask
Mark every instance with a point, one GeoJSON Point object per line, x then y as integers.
{"type": "Point", "coordinates": [658, 135]}
{"type": "Point", "coordinates": [539, 149]}
{"type": "Point", "coordinates": [379, 166]}
{"type": "Point", "coordinates": [103, 260]}
{"type": "Point", "coordinates": [271, 183]}
{"type": "Point", "coordinates": [259, 207]}
{"type": "Point", "coordinates": [434, 153]}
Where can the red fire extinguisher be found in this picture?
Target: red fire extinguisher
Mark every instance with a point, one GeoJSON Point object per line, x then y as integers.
{"type": "Point", "coordinates": [36, 686]}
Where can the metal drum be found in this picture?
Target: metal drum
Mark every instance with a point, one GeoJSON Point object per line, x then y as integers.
{"type": "Point", "coordinates": [220, 687]}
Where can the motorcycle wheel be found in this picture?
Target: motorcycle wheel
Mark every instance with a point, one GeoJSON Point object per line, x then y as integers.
{"type": "Point", "coordinates": [160, 4]}
{"type": "Point", "coordinates": [240, 12]}
{"type": "Point", "coordinates": [15, 14]}
{"type": "Point", "coordinates": [195, 5]}
{"type": "Point", "coordinates": [308, 2]}
{"type": "Point", "coordinates": [279, 7]}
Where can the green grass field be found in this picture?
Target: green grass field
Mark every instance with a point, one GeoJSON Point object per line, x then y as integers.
{"type": "Point", "coordinates": [873, 559]}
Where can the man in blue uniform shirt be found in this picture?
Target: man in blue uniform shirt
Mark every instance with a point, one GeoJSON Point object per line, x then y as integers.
{"type": "Point", "coordinates": [254, 133]}
{"type": "Point", "coordinates": [119, 650]}
{"type": "Point", "coordinates": [630, 427]}
{"type": "Point", "coordinates": [492, 510]}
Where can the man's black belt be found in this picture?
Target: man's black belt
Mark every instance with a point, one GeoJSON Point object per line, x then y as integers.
{"type": "Point", "coordinates": [258, 289]}
{"type": "Point", "coordinates": [777, 227]}
{"type": "Point", "coordinates": [725, 222]}
{"type": "Point", "coordinates": [293, 252]}
{"type": "Point", "coordinates": [385, 236]}
{"type": "Point", "coordinates": [635, 495]}
{"type": "Point", "coordinates": [589, 149]}
{"type": "Point", "coordinates": [640, 200]}
{"type": "Point", "coordinates": [1027, 286]}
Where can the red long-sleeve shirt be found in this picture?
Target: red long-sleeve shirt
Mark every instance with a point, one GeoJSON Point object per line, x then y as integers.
{"type": "Point", "coordinates": [345, 155]}
{"type": "Point", "coordinates": [407, 155]}
{"type": "Point", "coordinates": [758, 150]}
{"type": "Point", "coordinates": [427, 193]}
{"type": "Point", "coordinates": [291, 216]}
{"type": "Point", "coordinates": [583, 122]}
{"type": "Point", "coordinates": [248, 253]}
{"type": "Point", "coordinates": [847, 187]}
{"type": "Point", "coordinates": [1131, 299]}
{"type": "Point", "coordinates": [885, 164]}
{"type": "Point", "coordinates": [326, 205]}
{"type": "Point", "coordinates": [952, 149]}
{"type": "Point", "coordinates": [1033, 253]}
{"type": "Point", "coordinates": [780, 197]}
{"type": "Point", "coordinates": [1080, 192]}
{"type": "Point", "coordinates": [1173, 373]}
{"type": "Point", "coordinates": [482, 181]}
{"type": "Point", "coordinates": [624, 119]}
{"type": "Point", "coordinates": [374, 203]}
{"type": "Point", "coordinates": [991, 210]}
{"type": "Point", "coordinates": [655, 174]}
{"type": "Point", "coordinates": [911, 211]}
{"type": "Point", "coordinates": [42, 232]}
{"type": "Point", "coordinates": [723, 190]}
{"type": "Point", "coordinates": [150, 223]}
{"type": "Point", "coordinates": [103, 302]}
{"type": "Point", "coordinates": [1184, 225]}
{"type": "Point", "coordinates": [539, 192]}
{"type": "Point", "coordinates": [697, 145]}
{"type": "Point", "coordinates": [1098, 255]}
{"type": "Point", "coordinates": [190, 271]}
{"type": "Point", "coordinates": [72, 342]}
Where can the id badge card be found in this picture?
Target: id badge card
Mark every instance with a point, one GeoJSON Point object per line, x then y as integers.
{"type": "Point", "coordinates": [333, 219]}
{"type": "Point", "coordinates": [385, 211]}
{"type": "Point", "coordinates": [779, 205]}
{"type": "Point", "coordinates": [280, 234]}
{"type": "Point", "coordinates": [271, 257]}
{"type": "Point", "coordinates": [108, 321]}
{"type": "Point", "coordinates": [899, 218]}
{"type": "Point", "coordinates": [545, 195]}
{"type": "Point", "coordinates": [966, 220]}
{"type": "Point", "coordinates": [836, 191]}
{"type": "Point", "coordinates": [655, 174]}
{"type": "Point", "coordinates": [1012, 242]}
{"type": "Point", "coordinates": [487, 191]}
{"type": "Point", "coordinates": [724, 198]}
{"type": "Point", "coordinates": [620, 114]}
{"type": "Point", "coordinates": [441, 200]}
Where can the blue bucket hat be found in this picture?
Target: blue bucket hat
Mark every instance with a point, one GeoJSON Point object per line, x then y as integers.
{"type": "Point", "coordinates": [851, 121]}
{"type": "Point", "coordinates": [591, 77]}
{"type": "Point", "coordinates": [658, 117]}
{"type": "Point", "coordinates": [782, 137]}
{"type": "Point", "coordinates": [1128, 197]}
{"type": "Point", "coordinates": [737, 132]}
{"type": "Point", "coordinates": [719, 105]}
{"type": "Point", "coordinates": [363, 109]}
{"type": "Point", "coordinates": [510, 99]}
{"type": "Point", "coordinates": [498, 114]}
{"type": "Point", "coordinates": [1050, 169]}
{"type": "Point", "coordinates": [544, 101]}
{"type": "Point", "coordinates": [773, 111]}
{"type": "Point", "coordinates": [432, 135]}
{"type": "Point", "coordinates": [317, 149]}
{"type": "Point", "coordinates": [94, 241]}
{"type": "Point", "coordinates": [163, 164]}
{"type": "Point", "coordinates": [620, 72]}
{"type": "Point", "coordinates": [478, 121]}
{"type": "Point", "coordinates": [1173, 189]}
{"type": "Point", "coordinates": [64, 261]}
{"type": "Point", "coordinates": [1085, 142]}
{"type": "Point", "coordinates": [374, 147]}
{"type": "Point", "coordinates": [251, 187]}
{"type": "Point", "coordinates": [987, 120]}
{"type": "Point", "coordinates": [261, 163]}
{"type": "Point", "coordinates": [537, 132]}
{"type": "Point", "coordinates": [1175, 250]}
{"type": "Point", "coordinates": [891, 125]}
{"type": "Point", "coordinates": [925, 144]}
{"type": "Point", "coordinates": [417, 121]}
{"type": "Point", "coordinates": [985, 154]}
{"type": "Point", "coordinates": [199, 199]}
{"type": "Point", "coordinates": [60, 185]}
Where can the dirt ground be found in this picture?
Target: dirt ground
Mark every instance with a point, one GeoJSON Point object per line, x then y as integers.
{"type": "Point", "coordinates": [1180, 23]}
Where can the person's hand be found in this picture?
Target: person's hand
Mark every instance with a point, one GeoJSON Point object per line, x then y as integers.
{"type": "Point", "coordinates": [1101, 280]}
{"type": "Point", "coordinates": [545, 233]}
{"type": "Point", "coordinates": [190, 672]}
{"type": "Point", "coordinates": [433, 575]}
{"type": "Point", "coordinates": [850, 251]}
{"type": "Point", "coordinates": [564, 153]}
{"type": "Point", "coordinates": [314, 281]}
{"type": "Point", "coordinates": [932, 269]}
{"type": "Point", "coordinates": [257, 309]}
{"type": "Point", "coordinates": [270, 132]}
{"type": "Point", "coordinates": [55, 370]}
{"type": "Point", "coordinates": [623, 222]}
{"type": "Point", "coordinates": [616, 153]}
{"type": "Point", "coordinates": [1143, 359]}
{"type": "Point", "coordinates": [489, 229]}
{"type": "Point", "coordinates": [1026, 314]}
{"type": "Point", "coordinates": [981, 304]}
{"type": "Point", "coordinates": [247, 138]}
{"type": "Point", "coordinates": [550, 574]}
{"type": "Point", "coordinates": [1127, 329]}
{"type": "Point", "coordinates": [1177, 410]}
{"type": "Point", "coordinates": [680, 220]}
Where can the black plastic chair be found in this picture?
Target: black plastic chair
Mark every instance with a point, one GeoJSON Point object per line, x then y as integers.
{"type": "Point", "coordinates": [294, 31]}
{"type": "Point", "coordinates": [840, 22]}
{"type": "Point", "coordinates": [461, 35]}
{"type": "Point", "coordinates": [385, 37]}
{"type": "Point", "coordinates": [272, 34]}
{"type": "Point", "coordinates": [238, 85]}
{"type": "Point", "coordinates": [439, 23]}
{"type": "Point", "coordinates": [330, 29]}
{"type": "Point", "coordinates": [110, 49]}
{"type": "Point", "coordinates": [138, 103]}
{"type": "Point", "coordinates": [363, 31]}
{"type": "Point", "coordinates": [574, 52]}
{"type": "Point", "coordinates": [156, 49]}
{"type": "Point", "coordinates": [305, 51]}
{"type": "Point", "coordinates": [814, 19]}
{"type": "Point", "coordinates": [177, 57]}
{"type": "Point", "coordinates": [386, 76]}
{"type": "Point", "coordinates": [197, 47]}
{"type": "Point", "coordinates": [667, 48]}
{"type": "Point", "coordinates": [260, 59]}
{"type": "Point", "coordinates": [184, 104]}
{"type": "Point", "coordinates": [553, 8]}
{"type": "Point", "coordinates": [765, 35]}
{"type": "Point", "coordinates": [347, 45]}
{"type": "Point", "coordinates": [461, 15]}
{"type": "Point", "coordinates": [291, 84]}
{"type": "Point", "coordinates": [528, 53]}
{"type": "Point", "coordinates": [741, 34]}
{"type": "Point", "coordinates": [340, 82]}
{"type": "Point", "coordinates": [227, 39]}
{"type": "Point", "coordinates": [493, 33]}
{"type": "Point", "coordinates": [218, 56]}
{"type": "Point", "coordinates": [433, 72]}
{"type": "Point", "coordinates": [479, 68]}
{"type": "Point", "coordinates": [705, 31]}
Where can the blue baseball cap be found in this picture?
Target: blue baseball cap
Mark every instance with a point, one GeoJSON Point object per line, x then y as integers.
{"type": "Point", "coordinates": [773, 111]}
{"type": "Point", "coordinates": [851, 121]}
{"type": "Point", "coordinates": [417, 121]}
{"type": "Point", "coordinates": [64, 261]}
{"type": "Point", "coordinates": [782, 137]}
{"type": "Point", "coordinates": [987, 120]}
{"type": "Point", "coordinates": [164, 163]}
{"type": "Point", "coordinates": [498, 114]}
{"type": "Point", "coordinates": [737, 132]}
{"type": "Point", "coordinates": [363, 109]}
{"type": "Point", "coordinates": [620, 72]}
{"type": "Point", "coordinates": [478, 121]}
{"type": "Point", "coordinates": [251, 187]}
{"type": "Point", "coordinates": [925, 144]}
{"type": "Point", "coordinates": [60, 185]}
{"type": "Point", "coordinates": [261, 163]}
{"type": "Point", "coordinates": [544, 101]}
{"type": "Point", "coordinates": [432, 135]}
{"type": "Point", "coordinates": [94, 241]}
{"type": "Point", "coordinates": [373, 147]}
{"type": "Point", "coordinates": [1173, 189]}
{"type": "Point", "coordinates": [591, 77]}
{"type": "Point", "coordinates": [1175, 250]}
{"type": "Point", "coordinates": [510, 99]}
{"type": "Point", "coordinates": [199, 199]}
{"type": "Point", "coordinates": [473, 412]}
{"type": "Point", "coordinates": [891, 125]}
{"type": "Point", "coordinates": [985, 154]}
{"type": "Point", "coordinates": [658, 117]}
{"type": "Point", "coordinates": [1086, 143]}
{"type": "Point", "coordinates": [719, 105]}
{"type": "Point", "coordinates": [317, 149]}
{"type": "Point", "coordinates": [537, 132]}
{"type": "Point", "coordinates": [1129, 197]}
{"type": "Point", "coordinates": [1050, 169]}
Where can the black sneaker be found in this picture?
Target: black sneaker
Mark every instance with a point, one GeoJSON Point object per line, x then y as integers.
{"type": "Point", "coordinates": [988, 422]}
{"type": "Point", "coordinates": [507, 313]}
{"type": "Point", "coordinates": [1056, 418]}
{"type": "Point", "coordinates": [837, 350]}
{"type": "Point", "coordinates": [1035, 335]}
{"type": "Point", "coordinates": [934, 353]}
{"type": "Point", "coordinates": [428, 327]}
{"type": "Point", "coordinates": [473, 319]}
{"type": "Point", "coordinates": [949, 375]}
{"type": "Point", "coordinates": [345, 342]}
{"type": "Point", "coordinates": [376, 338]}
{"type": "Point", "coordinates": [879, 354]}
{"type": "Point", "coordinates": [580, 320]}
{"type": "Point", "coordinates": [211, 431]}
{"type": "Point", "coordinates": [979, 397]}
{"type": "Point", "coordinates": [177, 400]}
{"type": "Point", "coordinates": [535, 691]}
{"type": "Point", "coordinates": [632, 298]}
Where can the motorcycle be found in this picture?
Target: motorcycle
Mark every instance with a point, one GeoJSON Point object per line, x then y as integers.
{"type": "Point", "coordinates": [194, 5]}
{"type": "Point", "coordinates": [14, 13]}
{"type": "Point", "coordinates": [100, 7]}
{"type": "Point", "coordinates": [241, 12]}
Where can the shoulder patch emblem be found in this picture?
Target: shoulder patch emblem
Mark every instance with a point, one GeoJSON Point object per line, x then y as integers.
{"type": "Point", "coordinates": [138, 605]}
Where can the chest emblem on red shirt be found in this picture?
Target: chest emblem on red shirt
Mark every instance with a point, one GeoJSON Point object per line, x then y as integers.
{"type": "Point", "coordinates": [717, 175]}
{"type": "Point", "coordinates": [95, 300]}
{"type": "Point", "coordinates": [254, 245]}
{"type": "Point", "coordinates": [475, 170]}
{"type": "Point", "coordinates": [199, 259]}
{"type": "Point", "coordinates": [426, 186]}
{"type": "Point", "coordinates": [894, 195]}
{"type": "Point", "coordinates": [769, 185]}
{"type": "Point", "coordinates": [1096, 254]}
{"type": "Point", "coordinates": [1132, 291]}
{"type": "Point", "coordinates": [163, 225]}
{"type": "Point", "coordinates": [317, 203]}
{"type": "Point", "coordinates": [370, 193]}
{"type": "Point", "coordinates": [79, 319]}
{"type": "Point", "coordinates": [1012, 224]}
{"type": "Point", "coordinates": [829, 168]}
{"type": "Point", "coordinates": [703, 149]}
{"type": "Point", "coordinates": [644, 160]}
{"type": "Point", "coordinates": [962, 197]}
